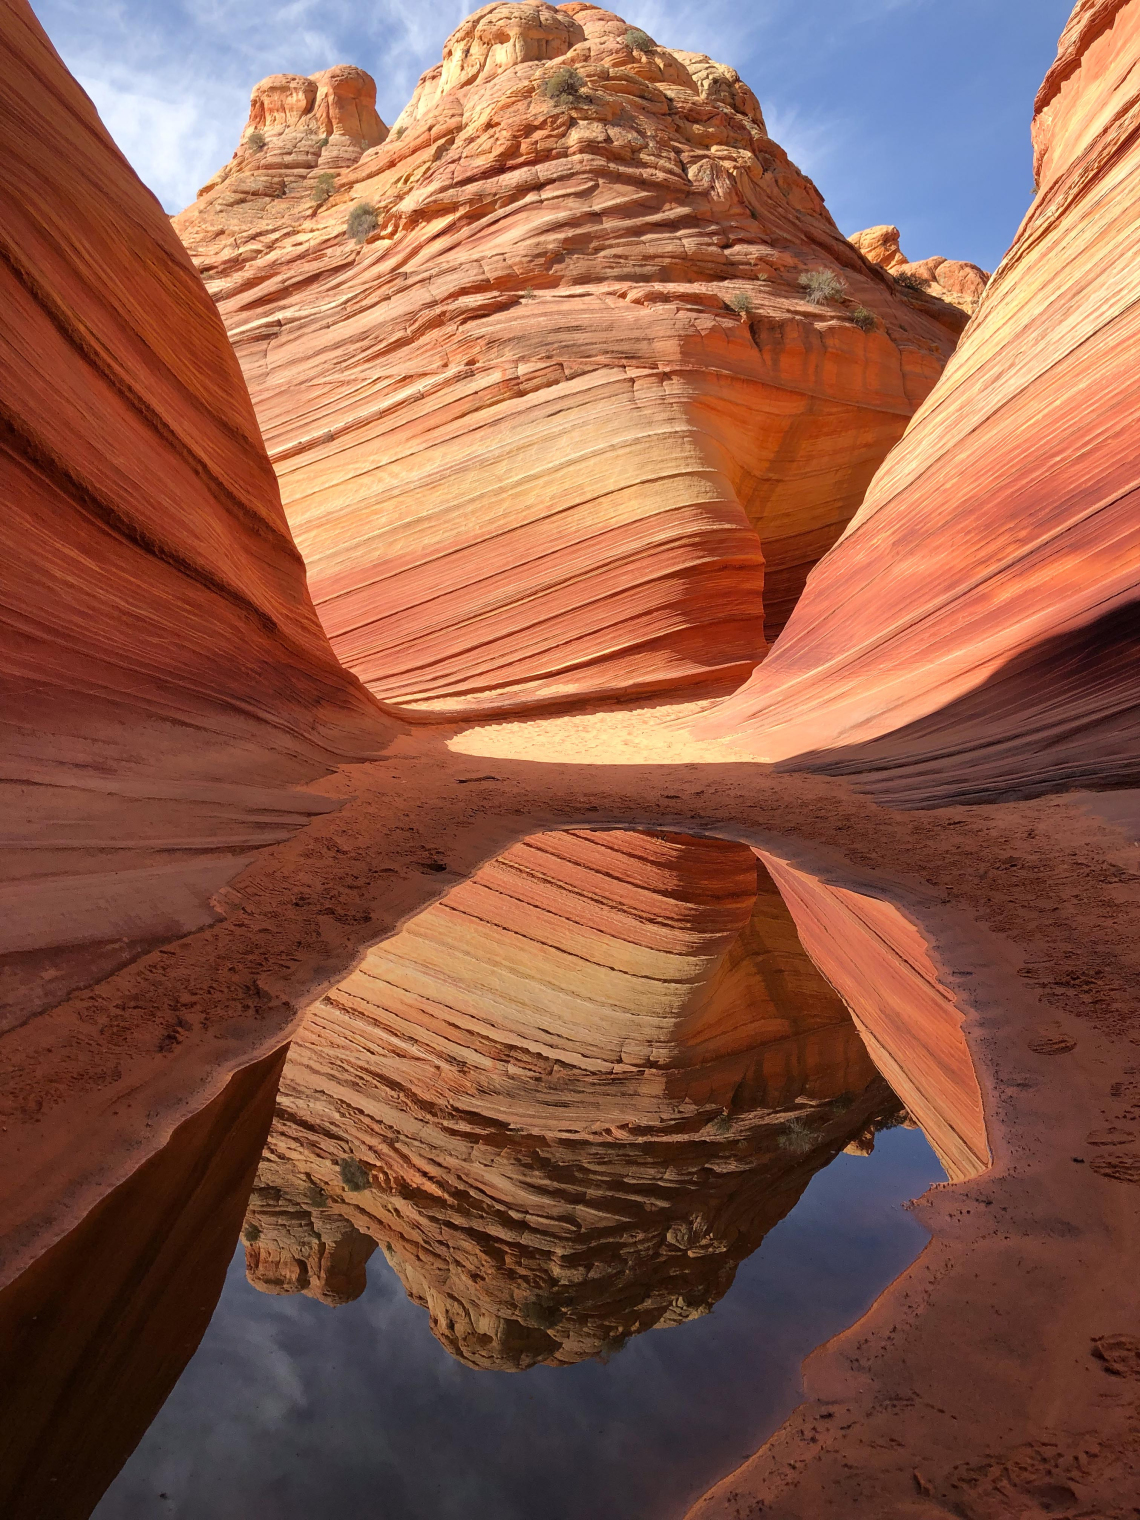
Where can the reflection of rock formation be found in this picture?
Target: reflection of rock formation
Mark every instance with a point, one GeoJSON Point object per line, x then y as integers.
{"type": "Point", "coordinates": [97, 1332]}
{"type": "Point", "coordinates": [164, 681]}
{"type": "Point", "coordinates": [568, 1099]}
{"type": "Point", "coordinates": [974, 635]}
{"type": "Point", "coordinates": [565, 422]}
{"type": "Point", "coordinates": [954, 280]}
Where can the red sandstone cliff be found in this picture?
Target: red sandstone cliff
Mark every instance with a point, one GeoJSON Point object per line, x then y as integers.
{"type": "Point", "coordinates": [567, 1100]}
{"type": "Point", "coordinates": [954, 280]}
{"type": "Point", "coordinates": [973, 634]}
{"type": "Point", "coordinates": [565, 421]}
{"type": "Point", "coordinates": [165, 682]}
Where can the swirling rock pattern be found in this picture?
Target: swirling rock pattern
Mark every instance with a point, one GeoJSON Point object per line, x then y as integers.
{"type": "Point", "coordinates": [567, 1100]}
{"type": "Point", "coordinates": [564, 423]}
{"type": "Point", "coordinates": [974, 633]}
{"type": "Point", "coordinates": [165, 679]}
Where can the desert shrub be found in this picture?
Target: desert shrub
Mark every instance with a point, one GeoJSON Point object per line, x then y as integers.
{"type": "Point", "coordinates": [399, 132]}
{"type": "Point", "coordinates": [323, 187]}
{"type": "Point", "coordinates": [721, 1125]}
{"type": "Point", "coordinates": [863, 318]}
{"type": "Point", "coordinates": [354, 1175]}
{"type": "Point", "coordinates": [528, 295]}
{"type": "Point", "coordinates": [315, 1196]}
{"type": "Point", "coordinates": [362, 220]}
{"type": "Point", "coordinates": [565, 87]}
{"type": "Point", "coordinates": [251, 1234]}
{"type": "Point", "coordinates": [642, 41]}
{"type": "Point", "coordinates": [740, 301]}
{"type": "Point", "coordinates": [821, 286]}
{"type": "Point", "coordinates": [255, 141]}
{"type": "Point", "coordinates": [322, 142]}
{"type": "Point", "coordinates": [909, 281]}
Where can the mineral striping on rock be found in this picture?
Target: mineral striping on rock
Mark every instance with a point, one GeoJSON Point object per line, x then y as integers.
{"type": "Point", "coordinates": [953, 280]}
{"type": "Point", "coordinates": [554, 413]}
{"type": "Point", "coordinates": [165, 682]}
{"type": "Point", "coordinates": [567, 1100]}
{"type": "Point", "coordinates": [973, 635]}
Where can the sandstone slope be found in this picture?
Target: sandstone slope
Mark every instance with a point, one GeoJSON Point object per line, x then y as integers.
{"type": "Point", "coordinates": [565, 423]}
{"type": "Point", "coordinates": [957, 281]}
{"type": "Point", "coordinates": [165, 682]}
{"type": "Point", "coordinates": [974, 632]}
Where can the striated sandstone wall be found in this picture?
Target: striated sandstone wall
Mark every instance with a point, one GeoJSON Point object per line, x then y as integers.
{"type": "Point", "coordinates": [565, 423]}
{"type": "Point", "coordinates": [974, 633]}
{"type": "Point", "coordinates": [957, 281]}
{"type": "Point", "coordinates": [567, 1100]}
{"type": "Point", "coordinates": [164, 681]}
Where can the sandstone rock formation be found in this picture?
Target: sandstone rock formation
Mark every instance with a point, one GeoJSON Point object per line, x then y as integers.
{"type": "Point", "coordinates": [559, 420]}
{"type": "Point", "coordinates": [974, 633]}
{"type": "Point", "coordinates": [954, 280]}
{"type": "Point", "coordinates": [567, 1100]}
{"type": "Point", "coordinates": [165, 681]}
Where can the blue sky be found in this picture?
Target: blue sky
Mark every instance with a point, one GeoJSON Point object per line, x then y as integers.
{"type": "Point", "coordinates": [908, 111]}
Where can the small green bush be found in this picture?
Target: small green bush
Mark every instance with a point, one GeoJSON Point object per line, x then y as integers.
{"type": "Point", "coordinates": [528, 295]}
{"type": "Point", "coordinates": [255, 141]}
{"type": "Point", "coordinates": [721, 1125]}
{"type": "Point", "coordinates": [909, 281]}
{"type": "Point", "coordinates": [741, 301]}
{"type": "Point", "coordinates": [821, 286]}
{"type": "Point", "coordinates": [323, 187]}
{"type": "Point", "coordinates": [565, 87]}
{"type": "Point", "coordinates": [642, 41]}
{"type": "Point", "coordinates": [251, 1234]}
{"type": "Point", "coordinates": [362, 220]}
{"type": "Point", "coordinates": [796, 1137]}
{"type": "Point", "coordinates": [322, 142]}
{"type": "Point", "coordinates": [863, 318]}
{"type": "Point", "coordinates": [354, 1175]}
{"type": "Point", "coordinates": [315, 1196]}
{"type": "Point", "coordinates": [399, 132]}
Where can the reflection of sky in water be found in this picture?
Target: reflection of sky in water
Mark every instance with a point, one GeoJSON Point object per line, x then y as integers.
{"type": "Point", "coordinates": [295, 1411]}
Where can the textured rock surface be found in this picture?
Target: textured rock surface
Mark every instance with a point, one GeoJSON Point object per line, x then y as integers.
{"type": "Point", "coordinates": [565, 423]}
{"type": "Point", "coordinates": [974, 633]}
{"type": "Point", "coordinates": [954, 280]}
{"type": "Point", "coordinates": [165, 682]}
{"type": "Point", "coordinates": [567, 1100]}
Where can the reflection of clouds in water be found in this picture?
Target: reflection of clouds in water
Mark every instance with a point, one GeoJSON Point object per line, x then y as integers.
{"type": "Point", "coordinates": [295, 1411]}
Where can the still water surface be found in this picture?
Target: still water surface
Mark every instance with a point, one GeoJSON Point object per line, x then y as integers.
{"type": "Point", "coordinates": [291, 1410]}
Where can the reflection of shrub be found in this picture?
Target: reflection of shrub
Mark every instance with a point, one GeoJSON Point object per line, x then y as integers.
{"type": "Point", "coordinates": [863, 318]}
{"type": "Point", "coordinates": [564, 87]}
{"type": "Point", "coordinates": [323, 187]}
{"type": "Point", "coordinates": [612, 1346]}
{"type": "Point", "coordinates": [361, 221]}
{"type": "Point", "coordinates": [820, 286]}
{"type": "Point", "coordinates": [251, 1234]}
{"type": "Point", "coordinates": [354, 1175]}
{"type": "Point", "coordinates": [796, 1137]}
{"type": "Point", "coordinates": [255, 141]}
{"type": "Point", "coordinates": [642, 41]}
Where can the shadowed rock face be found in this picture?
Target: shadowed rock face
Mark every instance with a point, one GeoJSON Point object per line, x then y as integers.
{"type": "Point", "coordinates": [567, 1100]}
{"type": "Point", "coordinates": [954, 280]}
{"type": "Point", "coordinates": [973, 634]}
{"type": "Point", "coordinates": [565, 422]}
{"type": "Point", "coordinates": [164, 681]}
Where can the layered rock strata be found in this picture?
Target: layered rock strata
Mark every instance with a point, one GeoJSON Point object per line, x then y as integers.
{"type": "Point", "coordinates": [554, 413]}
{"type": "Point", "coordinates": [567, 1100]}
{"type": "Point", "coordinates": [165, 682]}
{"type": "Point", "coordinates": [957, 281]}
{"type": "Point", "coordinates": [974, 633]}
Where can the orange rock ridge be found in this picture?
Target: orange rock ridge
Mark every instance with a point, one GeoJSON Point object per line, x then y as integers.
{"type": "Point", "coordinates": [973, 634]}
{"type": "Point", "coordinates": [564, 423]}
{"type": "Point", "coordinates": [953, 280]}
{"type": "Point", "coordinates": [165, 681]}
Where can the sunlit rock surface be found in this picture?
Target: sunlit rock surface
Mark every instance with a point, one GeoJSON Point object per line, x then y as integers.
{"type": "Point", "coordinates": [565, 422]}
{"type": "Point", "coordinates": [567, 1100]}
{"type": "Point", "coordinates": [165, 682]}
{"type": "Point", "coordinates": [974, 633]}
{"type": "Point", "coordinates": [957, 281]}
